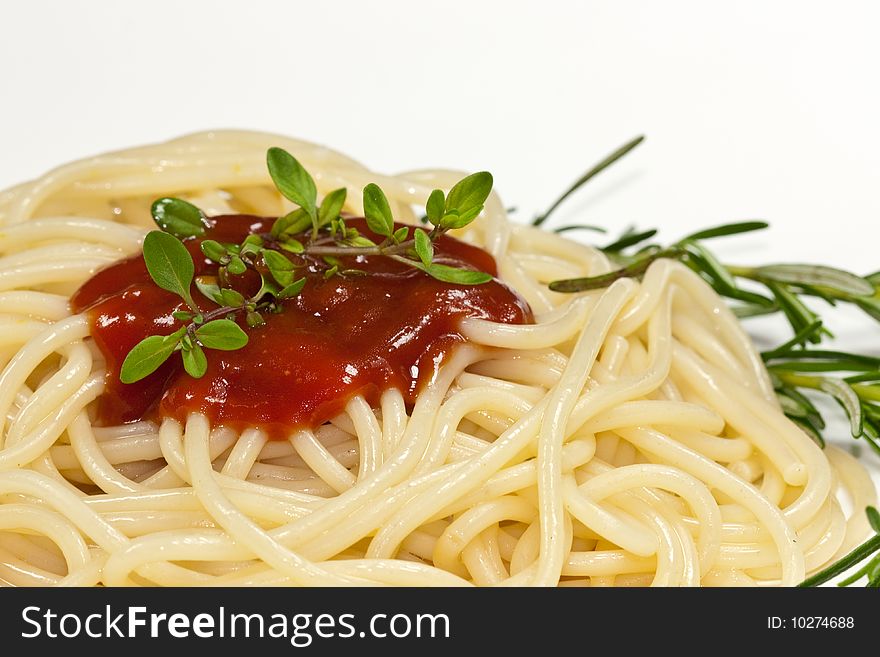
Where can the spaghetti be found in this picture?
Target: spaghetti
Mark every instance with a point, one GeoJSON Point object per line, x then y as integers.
{"type": "Point", "coordinates": [629, 436]}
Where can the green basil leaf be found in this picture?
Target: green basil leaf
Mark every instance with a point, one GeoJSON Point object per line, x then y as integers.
{"type": "Point", "coordinates": [176, 216]}
{"type": "Point", "coordinates": [251, 245]}
{"type": "Point", "coordinates": [360, 241]}
{"type": "Point", "coordinates": [267, 286]}
{"type": "Point", "coordinates": [222, 334]}
{"type": "Point", "coordinates": [424, 248]}
{"type": "Point", "coordinates": [435, 206]}
{"type": "Point", "coordinates": [873, 518]}
{"type": "Point", "coordinates": [213, 250]}
{"type": "Point", "coordinates": [147, 355]}
{"type": "Point", "coordinates": [469, 193]}
{"type": "Point", "coordinates": [194, 361]}
{"type": "Point", "coordinates": [338, 226]}
{"type": "Point", "coordinates": [292, 180]}
{"type": "Point", "coordinates": [279, 266]}
{"type": "Point", "coordinates": [291, 290]}
{"type": "Point", "coordinates": [455, 219]}
{"type": "Point", "coordinates": [292, 245]}
{"type": "Point", "coordinates": [231, 297]}
{"type": "Point", "coordinates": [209, 289]}
{"type": "Point", "coordinates": [169, 263]}
{"type": "Point", "coordinates": [401, 234]}
{"type": "Point", "coordinates": [377, 211]}
{"type": "Point", "coordinates": [254, 319]}
{"type": "Point", "coordinates": [292, 223]}
{"type": "Point", "coordinates": [331, 206]}
{"type": "Point", "coordinates": [460, 276]}
{"type": "Point", "coordinates": [236, 266]}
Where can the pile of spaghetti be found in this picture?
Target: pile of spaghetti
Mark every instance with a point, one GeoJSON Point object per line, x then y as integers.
{"type": "Point", "coordinates": [630, 435]}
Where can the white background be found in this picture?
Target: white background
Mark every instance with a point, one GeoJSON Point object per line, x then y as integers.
{"type": "Point", "coordinates": [752, 109]}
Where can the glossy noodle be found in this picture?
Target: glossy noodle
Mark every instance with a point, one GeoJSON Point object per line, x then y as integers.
{"type": "Point", "coordinates": [630, 436]}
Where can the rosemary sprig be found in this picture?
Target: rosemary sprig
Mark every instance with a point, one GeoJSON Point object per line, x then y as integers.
{"type": "Point", "coordinates": [794, 366]}
{"type": "Point", "coordinates": [312, 236]}
{"type": "Point", "coordinates": [871, 570]}
{"type": "Point", "coordinates": [633, 270]}
{"type": "Point", "coordinates": [591, 173]}
{"type": "Point", "coordinates": [853, 380]}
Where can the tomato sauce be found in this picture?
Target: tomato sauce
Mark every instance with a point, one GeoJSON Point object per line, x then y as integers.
{"type": "Point", "coordinates": [355, 334]}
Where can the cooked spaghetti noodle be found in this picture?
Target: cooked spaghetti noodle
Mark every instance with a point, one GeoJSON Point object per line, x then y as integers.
{"type": "Point", "coordinates": [630, 436]}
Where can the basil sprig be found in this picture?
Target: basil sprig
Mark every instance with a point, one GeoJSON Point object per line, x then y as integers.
{"type": "Point", "coordinates": [280, 256]}
{"type": "Point", "coordinates": [171, 268]}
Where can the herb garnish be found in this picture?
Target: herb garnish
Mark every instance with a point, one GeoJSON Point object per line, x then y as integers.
{"type": "Point", "coordinates": [853, 380]}
{"type": "Point", "coordinates": [769, 289]}
{"type": "Point", "coordinates": [171, 268]}
{"type": "Point", "coordinates": [871, 570]}
{"type": "Point", "coordinates": [279, 255]}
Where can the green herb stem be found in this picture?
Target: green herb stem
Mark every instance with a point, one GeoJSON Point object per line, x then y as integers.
{"type": "Point", "coordinates": [852, 380]}
{"type": "Point", "coordinates": [171, 266]}
{"type": "Point", "coordinates": [378, 250]}
{"type": "Point", "coordinates": [632, 270]}
{"type": "Point", "coordinates": [595, 170]}
{"type": "Point", "coordinates": [839, 567]}
{"type": "Point", "coordinates": [800, 380]}
{"type": "Point", "coordinates": [866, 392]}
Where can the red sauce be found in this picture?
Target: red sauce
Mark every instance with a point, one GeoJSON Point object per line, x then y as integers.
{"type": "Point", "coordinates": [339, 338]}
